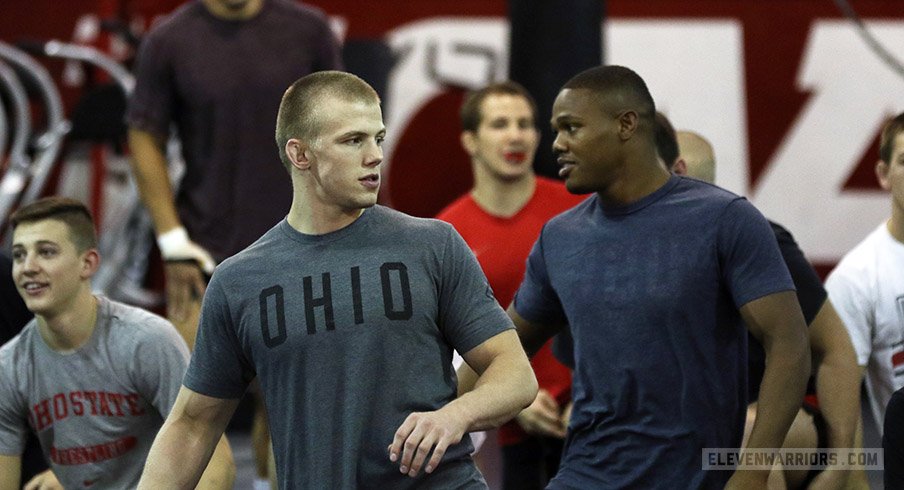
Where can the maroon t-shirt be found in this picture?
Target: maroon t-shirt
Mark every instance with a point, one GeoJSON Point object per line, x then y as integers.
{"type": "Point", "coordinates": [220, 82]}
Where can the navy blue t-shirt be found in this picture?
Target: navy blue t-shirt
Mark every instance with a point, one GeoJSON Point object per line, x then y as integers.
{"type": "Point", "coordinates": [651, 292]}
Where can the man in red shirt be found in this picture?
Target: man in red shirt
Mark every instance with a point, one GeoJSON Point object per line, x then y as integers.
{"type": "Point", "coordinates": [500, 219]}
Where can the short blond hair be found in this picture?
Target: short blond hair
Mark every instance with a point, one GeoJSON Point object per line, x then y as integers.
{"type": "Point", "coordinates": [302, 105]}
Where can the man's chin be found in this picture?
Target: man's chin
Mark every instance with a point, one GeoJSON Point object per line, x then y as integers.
{"type": "Point", "coordinates": [576, 188]}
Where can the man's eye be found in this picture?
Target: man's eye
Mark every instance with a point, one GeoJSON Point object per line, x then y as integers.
{"type": "Point", "coordinates": [18, 255]}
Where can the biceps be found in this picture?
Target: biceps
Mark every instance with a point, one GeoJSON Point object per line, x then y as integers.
{"type": "Point", "coordinates": [503, 346]}
{"type": "Point", "coordinates": [775, 315]}
{"type": "Point", "coordinates": [202, 411]}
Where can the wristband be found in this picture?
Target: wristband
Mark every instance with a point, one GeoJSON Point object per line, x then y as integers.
{"type": "Point", "coordinates": [173, 242]}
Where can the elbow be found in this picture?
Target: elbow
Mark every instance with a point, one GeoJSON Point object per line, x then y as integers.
{"type": "Point", "coordinates": [529, 390]}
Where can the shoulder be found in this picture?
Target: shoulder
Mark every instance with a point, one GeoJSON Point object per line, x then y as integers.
{"type": "Point", "coordinates": [393, 221]}
{"type": "Point", "coordinates": [136, 326]}
{"type": "Point", "coordinates": [860, 261]}
{"type": "Point", "coordinates": [18, 351]}
{"type": "Point", "coordinates": [462, 207]}
{"type": "Point", "coordinates": [176, 22]}
{"type": "Point", "coordinates": [298, 9]}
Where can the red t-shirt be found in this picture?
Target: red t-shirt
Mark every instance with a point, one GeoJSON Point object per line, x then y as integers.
{"type": "Point", "coordinates": [502, 246]}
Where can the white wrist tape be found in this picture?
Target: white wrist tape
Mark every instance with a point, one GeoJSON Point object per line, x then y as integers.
{"type": "Point", "coordinates": [173, 243]}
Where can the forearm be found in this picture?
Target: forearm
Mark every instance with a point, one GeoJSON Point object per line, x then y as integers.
{"type": "Point", "coordinates": [220, 472]}
{"type": "Point", "coordinates": [150, 169]}
{"type": "Point", "coordinates": [782, 390]}
{"type": "Point", "coordinates": [506, 387]}
{"type": "Point", "coordinates": [10, 468]}
{"type": "Point", "coordinates": [837, 376]}
{"type": "Point", "coordinates": [838, 390]}
{"type": "Point", "coordinates": [179, 455]}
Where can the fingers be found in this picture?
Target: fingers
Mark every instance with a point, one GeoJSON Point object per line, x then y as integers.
{"type": "Point", "coordinates": [184, 283]}
{"type": "Point", "coordinates": [415, 439]}
{"type": "Point", "coordinates": [43, 481]}
{"type": "Point", "coordinates": [547, 401]}
{"type": "Point", "coordinates": [542, 417]}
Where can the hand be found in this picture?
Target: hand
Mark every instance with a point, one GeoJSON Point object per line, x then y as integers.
{"type": "Point", "coordinates": [421, 432]}
{"type": "Point", "coordinates": [44, 481]}
{"type": "Point", "coordinates": [542, 417]}
{"type": "Point", "coordinates": [748, 479]}
{"type": "Point", "coordinates": [185, 284]}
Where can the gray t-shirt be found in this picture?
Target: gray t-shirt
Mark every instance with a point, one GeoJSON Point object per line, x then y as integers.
{"type": "Point", "coordinates": [96, 409]}
{"type": "Point", "coordinates": [349, 333]}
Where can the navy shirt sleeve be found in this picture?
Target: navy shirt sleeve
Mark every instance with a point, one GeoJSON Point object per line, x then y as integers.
{"type": "Point", "coordinates": [536, 300]}
{"type": "Point", "coordinates": [751, 263]}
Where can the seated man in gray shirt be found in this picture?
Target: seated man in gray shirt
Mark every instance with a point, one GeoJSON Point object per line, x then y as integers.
{"type": "Point", "coordinates": [348, 314]}
{"type": "Point", "coordinates": [93, 378]}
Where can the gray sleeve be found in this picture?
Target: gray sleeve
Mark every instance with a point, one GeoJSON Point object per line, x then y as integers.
{"type": "Point", "coordinates": [161, 358]}
{"type": "Point", "coordinates": [218, 368]}
{"type": "Point", "coordinates": [469, 313]}
{"type": "Point", "coordinates": [13, 427]}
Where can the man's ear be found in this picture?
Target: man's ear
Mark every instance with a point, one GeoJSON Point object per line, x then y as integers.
{"type": "Point", "coordinates": [469, 142]}
{"type": "Point", "coordinates": [882, 169]}
{"type": "Point", "coordinates": [627, 125]}
{"type": "Point", "coordinates": [680, 167]}
{"type": "Point", "coordinates": [298, 153]}
{"type": "Point", "coordinates": [90, 263]}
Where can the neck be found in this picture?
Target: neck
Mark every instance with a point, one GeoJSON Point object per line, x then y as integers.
{"type": "Point", "coordinates": [502, 198]}
{"type": "Point", "coordinates": [246, 11]}
{"type": "Point", "coordinates": [636, 180]}
{"type": "Point", "coordinates": [895, 224]}
{"type": "Point", "coordinates": [312, 216]}
{"type": "Point", "coordinates": [73, 327]}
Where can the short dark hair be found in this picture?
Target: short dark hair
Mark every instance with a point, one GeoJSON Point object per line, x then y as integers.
{"type": "Point", "coordinates": [619, 88]}
{"type": "Point", "coordinates": [471, 115]}
{"type": "Point", "coordinates": [891, 130]}
{"type": "Point", "coordinates": [70, 212]}
{"type": "Point", "coordinates": [666, 140]}
{"type": "Point", "coordinates": [299, 114]}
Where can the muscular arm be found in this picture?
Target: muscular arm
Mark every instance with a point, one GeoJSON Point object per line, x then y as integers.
{"type": "Point", "coordinates": [838, 376]}
{"type": "Point", "coordinates": [186, 441]}
{"type": "Point", "coordinates": [531, 335]}
{"type": "Point", "coordinates": [776, 321]}
{"type": "Point", "coordinates": [184, 281]}
{"type": "Point", "coordinates": [505, 384]}
{"type": "Point", "coordinates": [10, 472]}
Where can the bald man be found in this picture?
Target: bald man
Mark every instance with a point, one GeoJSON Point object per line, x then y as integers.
{"type": "Point", "coordinates": [828, 417]}
{"type": "Point", "coordinates": [696, 156]}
